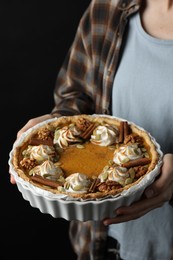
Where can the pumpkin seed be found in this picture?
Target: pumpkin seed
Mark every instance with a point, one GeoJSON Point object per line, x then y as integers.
{"type": "Point", "coordinates": [104, 176]}
{"type": "Point", "coordinates": [80, 146]}
{"type": "Point", "coordinates": [128, 181]}
{"type": "Point", "coordinates": [78, 187]}
{"type": "Point", "coordinates": [132, 173]}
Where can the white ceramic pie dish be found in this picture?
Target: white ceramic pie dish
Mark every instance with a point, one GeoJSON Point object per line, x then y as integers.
{"type": "Point", "coordinates": [59, 206]}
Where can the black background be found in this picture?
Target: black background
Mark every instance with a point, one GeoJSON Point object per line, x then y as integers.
{"type": "Point", "coordinates": [34, 39]}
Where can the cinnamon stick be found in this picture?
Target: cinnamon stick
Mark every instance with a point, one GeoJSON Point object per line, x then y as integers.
{"type": "Point", "coordinates": [36, 141]}
{"type": "Point", "coordinates": [121, 133]}
{"type": "Point", "coordinates": [126, 129]}
{"type": "Point", "coordinates": [94, 185]}
{"type": "Point", "coordinates": [136, 162]}
{"type": "Point", "coordinates": [41, 180]}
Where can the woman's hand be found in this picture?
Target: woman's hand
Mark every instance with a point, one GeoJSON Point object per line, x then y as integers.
{"type": "Point", "coordinates": [155, 196]}
{"type": "Point", "coordinates": [28, 125]}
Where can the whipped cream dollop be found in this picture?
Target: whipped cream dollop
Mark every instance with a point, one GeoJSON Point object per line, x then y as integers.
{"type": "Point", "coordinates": [104, 135]}
{"type": "Point", "coordinates": [119, 174]}
{"type": "Point", "coordinates": [67, 135]}
{"type": "Point", "coordinates": [127, 153]}
{"type": "Point", "coordinates": [48, 170]}
{"type": "Point", "coordinates": [40, 153]}
{"type": "Point", "coordinates": [77, 183]}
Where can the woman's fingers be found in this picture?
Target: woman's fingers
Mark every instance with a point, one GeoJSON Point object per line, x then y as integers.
{"type": "Point", "coordinates": [154, 196]}
{"type": "Point", "coordinates": [136, 210]}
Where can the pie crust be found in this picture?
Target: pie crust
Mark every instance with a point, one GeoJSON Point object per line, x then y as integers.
{"type": "Point", "coordinates": [95, 156]}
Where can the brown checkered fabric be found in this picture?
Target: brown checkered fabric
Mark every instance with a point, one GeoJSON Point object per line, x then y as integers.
{"type": "Point", "coordinates": [84, 83]}
{"type": "Point", "coordinates": [90, 242]}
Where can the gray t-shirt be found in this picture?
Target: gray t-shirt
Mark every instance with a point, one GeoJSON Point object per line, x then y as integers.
{"type": "Point", "coordinates": [143, 85]}
{"type": "Point", "coordinates": [143, 93]}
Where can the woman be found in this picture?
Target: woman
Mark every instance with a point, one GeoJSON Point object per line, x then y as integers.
{"type": "Point", "coordinates": [121, 64]}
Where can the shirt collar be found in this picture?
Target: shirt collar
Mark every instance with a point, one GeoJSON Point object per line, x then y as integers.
{"type": "Point", "coordinates": [125, 5]}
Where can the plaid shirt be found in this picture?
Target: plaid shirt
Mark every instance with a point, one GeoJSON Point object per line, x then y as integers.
{"type": "Point", "coordinates": [84, 85]}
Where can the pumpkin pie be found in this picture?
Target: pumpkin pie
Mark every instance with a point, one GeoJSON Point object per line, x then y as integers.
{"type": "Point", "coordinates": [85, 156]}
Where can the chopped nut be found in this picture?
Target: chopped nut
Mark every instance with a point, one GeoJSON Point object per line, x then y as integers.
{"type": "Point", "coordinates": [133, 138]}
{"type": "Point", "coordinates": [108, 185]}
{"type": "Point", "coordinates": [44, 134]}
{"type": "Point", "coordinates": [140, 171]}
{"type": "Point", "coordinates": [83, 123]}
{"type": "Point", "coordinates": [28, 163]}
